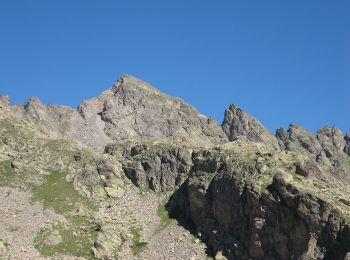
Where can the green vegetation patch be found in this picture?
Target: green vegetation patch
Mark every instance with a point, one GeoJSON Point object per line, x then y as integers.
{"type": "Point", "coordinates": [137, 245]}
{"type": "Point", "coordinates": [6, 172]}
{"type": "Point", "coordinates": [74, 238]}
{"type": "Point", "coordinates": [9, 178]}
{"type": "Point", "coordinates": [77, 235]}
{"type": "Point", "coordinates": [58, 194]}
{"type": "Point", "coordinates": [164, 216]}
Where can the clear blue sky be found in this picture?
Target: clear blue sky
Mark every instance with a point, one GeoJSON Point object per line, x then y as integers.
{"type": "Point", "coordinates": [283, 61]}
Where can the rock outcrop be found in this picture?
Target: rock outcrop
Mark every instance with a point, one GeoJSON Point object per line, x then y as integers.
{"type": "Point", "coordinates": [347, 146]}
{"type": "Point", "coordinates": [298, 139]}
{"type": "Point", "coordinates": [63, 122]}
{"type": "Point", "coordinates": [4, 102]}
{"type": "Point", "coordinates": [160, 167]}
{"type": "Point", "coordinates": [328, 147]}
{"type": "Point", "coordinates": [235, 214]}
{"type": "Point", "coordinates": [238, 123]}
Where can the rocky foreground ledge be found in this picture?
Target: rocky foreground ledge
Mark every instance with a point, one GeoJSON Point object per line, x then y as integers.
{"type": "Point", "coordinates": [137, 174]}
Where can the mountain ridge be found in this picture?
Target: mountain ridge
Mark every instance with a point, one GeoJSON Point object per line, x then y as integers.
{"type": "Point", "coordinates": [114, 173]}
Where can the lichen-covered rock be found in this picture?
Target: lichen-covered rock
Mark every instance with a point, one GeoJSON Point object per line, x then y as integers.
{"type": "Point", "coordinates": [110, 238]}
{"type": "Point", "coordinates": [3, 248]}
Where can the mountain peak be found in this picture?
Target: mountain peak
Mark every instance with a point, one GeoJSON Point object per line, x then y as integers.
{"type": "Point", "coordinates": [238, 123]}
{"type": "Point", "coordinates": [133, 108]}
{"type": "Point", "coordinates": [133, 83]}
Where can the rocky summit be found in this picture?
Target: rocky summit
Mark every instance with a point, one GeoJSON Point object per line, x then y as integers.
{"type": "Point", "coordinates": [137, 174]}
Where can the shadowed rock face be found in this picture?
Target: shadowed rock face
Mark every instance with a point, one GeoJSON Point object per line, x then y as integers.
{"type": "Point", "coordinates": [347, 146]}
{"type": "Point", "coordinates": [234, 215]}
{"type": "Point", "coordinates": [160, 168]}
{"type": "Point", "coordinates": [238, 123]}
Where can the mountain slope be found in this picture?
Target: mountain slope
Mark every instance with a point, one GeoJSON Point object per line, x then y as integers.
{"type": "Point", "coordinates": [136, 174]}
{"type": "Point", "coordinates": [130, 109]}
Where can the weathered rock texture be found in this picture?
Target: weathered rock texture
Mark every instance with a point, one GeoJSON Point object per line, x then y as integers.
{"type": "Point", "coordinates": [159, 167]}
{"type": "Point", "coordinates": [130, 109]}
{"type": "Point", "coordinates": [328, 147]}
{"type": "Point", "coordinates": [134, 109]}
{"type": "Point", "coordinates": [247, 193]}
{"type": "Point", "coordinates": [248, 216]}
{"type": "Point", "coordinates": [238, 123]}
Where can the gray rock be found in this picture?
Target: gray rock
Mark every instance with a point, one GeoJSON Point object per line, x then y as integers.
{"type": "Point", "coordinates": [282, 222]}
{"type": "Point", "coordinates": [238, 123]}
{"type": "Point", "coordinates": [4, 102]}
{"type": "Point", "coordinates": [307, 169]}
{"type": "Point", "coordinates": [130, 109]}
{"type": "Point", "coordinates": [298, 139]}
{"type": "Point", "coordinates": [134, 109]}
{"type": "Point", "coordinates": [331, 140]}
{"type": "Point", "coordinates": [328, 148]}
{"type": "Point", "coordinates": [347, 146]}
{"type": "Point", "coordinates": [159, 168]}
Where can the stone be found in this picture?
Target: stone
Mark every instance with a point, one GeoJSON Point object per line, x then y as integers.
{"type": "Point", "coordinates": [3, 247]}
{"type": "Point", "coordinates": [300, 169]}
{"type": "Point", "coordinates": [299, 139]}
{"type": "Point", "coordinates": [159, 167]}
{"type": "Point", "coordinates": [4, 102]}
{"type": "Point", "coordinates": [238, 123]}
{"type": "Point", "coordinates": [54, 238]}
{"type": "Point", "coordinates": [220, 256]}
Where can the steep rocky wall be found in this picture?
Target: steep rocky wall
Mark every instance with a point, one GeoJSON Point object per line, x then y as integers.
{"type": "Point", "coordinates": [157, 167]}
{"type": "Point", "coordinates": [235, 216]}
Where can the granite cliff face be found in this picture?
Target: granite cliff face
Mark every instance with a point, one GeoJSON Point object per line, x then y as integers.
{"type": "Point", "coordinates": [109, 176]}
